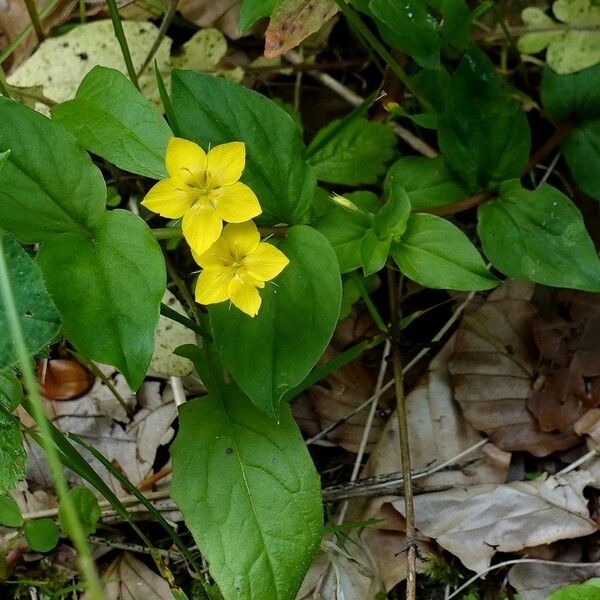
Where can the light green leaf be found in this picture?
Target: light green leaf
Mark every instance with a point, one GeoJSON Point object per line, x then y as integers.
{"type": "Point", "coordinates": [10, 514]}
{"type": "Point", "coordinates": [108, 290]}
{"type": "Point", "coordinates": [546, 236]}
{"type": "Point", "coordinates": [87, 508]}
{"type": "Point", "coordinates": [536, 18]}
{"type": "Point", "coordinates": [41, 535]}
{"type": "Point", "coordinates": [436, 254]}
{"type": "Point", "coordinates": [213, 111]}
{"type": "Point", "coordinates": [253, 10]}
{"type": "Point", "coordinates": [576, 592]}
{"type": "Point", "coordinates": [356, 155]}
{"type": "Point", "coordinates": [483, 133]}
{"type": "Point", "coordinates": [408, 27]}
{"type": "Point", "coordinates": [13, 458]}
{"type": "Point", "coordinates": [48, 184]}
{"type": "Point", "coordinates": [272, 352]}
{"type": "Point", "coordinates": [373, 252]}
{"type": "Point", "coordinates": [392, 217]}
{"type": "Point", "coordinates": [249, 494]}
{"type": "Point", "coordinates": [113, 120]}
{"type": "Point", "coordinates": [345, 229]}
{"type": "Point", "coordinates": [39, 318]}
{"type": "Point", "coordinates": [427, 181]}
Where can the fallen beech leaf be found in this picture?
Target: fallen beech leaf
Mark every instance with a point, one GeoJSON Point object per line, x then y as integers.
{"type": "Point", "coordinates": [223, 15]}
{"type": "Point", "coordinates": [293, 21]}
{"type": "Point", "coordinates": [63, 379]}
{"type": "Point", "coordinates": [474, 523]}
{"type": "Point", "coordinates": [493, 372]}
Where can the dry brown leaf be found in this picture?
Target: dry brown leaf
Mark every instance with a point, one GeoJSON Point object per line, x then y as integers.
{"type": "Point", "coordinates": [493, 372]}
{"type": "Point", "coordinates": [474, 523]}
{"type": "Point", "coordinates": [129, 579]}
{"type": "Point", "coordinates": [293, 21]}
{"type": "Point", "coordinates": [223, 15]}
{"type": "Point", "coordinates": [63, 379]}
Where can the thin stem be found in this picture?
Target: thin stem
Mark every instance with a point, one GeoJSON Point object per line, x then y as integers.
{"type": "Point", "coordinates": [167, 233]}
{"type": "Point", "coordinates": [86, 561]}
{"type": "Point", "coordinates": [167, 311]}
{"type": "Point", "coordinates": [559, 136]}
{"type": "Point", "coordinates": [82, 12]}
{"type": "Point", "coordinates": [120, 35]}
{"type": "Point", "coordinates": [411, 555]}
{"type": "Point", "coordinates": [357, 280]}
{"type": "Point", "coordinates": [162, 31]}
{"type": "Point", "coordinates": [35, 19]}
{"type": "Point", "coordinates": [356, 23]}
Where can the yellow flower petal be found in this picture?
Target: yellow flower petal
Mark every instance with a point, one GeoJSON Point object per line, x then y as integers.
{"type": "Point", "coordinates": [244, 295]}
{"type": "Point", "coordinates": [235, 203]}
{"type": "Point", "coordinates": [241, 239]}
{"type": "Point", "coordinates": [213, 285]}
{"type": "Point", "coordinates": [218, 255]}
{"type": "Point", "coordinates": [266, 262]}
{"type": "Point", "coordinates": [202, 227]}
{"type": "Point", "coordinates": [186, 162]}
{"type": "Point", "coordinates": [168, 199]}
{"type": "Point", "coordinates": [225, 164]}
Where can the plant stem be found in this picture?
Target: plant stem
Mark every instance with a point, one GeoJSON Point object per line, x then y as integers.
{"type": "Point", "coordinates": [167, 311]}
{"type": "Point", "coordinates": [166, 22]}
{"type": "Point", "coordinates": [82, 12]}
{"type": "Point", "coordinates": [120, 35]}
{"type": "Point", "coordinates": [358, 282]}
{"type": "Point", "coordinates": [559, 135]}
{"type": "Point", "coordinates": [86, 562]}
{"type": "Point", "coordinates": [411, 552]}
{"type": "Point", "coordinates": [35, 19]}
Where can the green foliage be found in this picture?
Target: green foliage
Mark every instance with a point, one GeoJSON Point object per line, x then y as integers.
{"type": "Point", "coordinates": [437, 254]}
{"type": "Point", "coordinates": [113, 120]}
{"type": "Point", "coordinates": [577, 98]}
{"type": "Point", "coordinates": [546, 235]}
{"type": "Point", "coordinates": [584, 591]}
{"type": "Point", "coordinates": [10, 514]}
{"type": "Point", "coordinates": [373, 252]}
{"type": "Point", "coordinates": [212, 111]}
{"type": "Point", "coordinates": [88, 511]}
{"type": "Point", "coordinates": [249, 494]}
{"type": "Point", "coordinates": [41, 535]}
{"type": "Point", "coordinates": [88, 278]}
{"type": "Point", "coordinates": [356, 154]}
{"type": "Point", "coordinates": [271, 353]}
{"type": "Point", "coordinates": [252, 10]}
{"type": "Point", "coordinates": [40, 319]}
{"type": "Point", "coordinates": [483, 133]}
{"type": "Point", "coordinates": [13, 458]}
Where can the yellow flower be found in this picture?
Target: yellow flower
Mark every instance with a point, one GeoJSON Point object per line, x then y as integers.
{"type": "Point", "coordinates": [203, 188]}
{"type": "Point", "coordinates": [235, 267]}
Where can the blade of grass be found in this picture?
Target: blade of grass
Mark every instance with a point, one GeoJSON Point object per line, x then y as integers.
{"type": "Point", "coordinates": [166, 22]}
{"type": "Point", "coordinates": [35, 19]}
{"type": "Point", "coordinates": [120, 35]}
{"type": "Point", "coordinates": [166, 100]}
{"type": "Point", "coordinates": [84, 555]}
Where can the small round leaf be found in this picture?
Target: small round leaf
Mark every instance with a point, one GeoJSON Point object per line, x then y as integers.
{"type": "Point", "coordinates": [41, 535]}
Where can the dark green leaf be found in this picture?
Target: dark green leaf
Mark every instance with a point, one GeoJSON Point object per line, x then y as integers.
{"type": "Point", "coordinates": [345, 229]}
{"type": "Point", "coordinates": [211, 111]}
{"type": "Point", "coordinates": [373, 252]}
{"type": "Point", "coordinates": [108, 290]}
{"type": "Point", "coordinates": [427, 181]}
{"type": "Point", "coordinates": [41, 535]}
{"type": "Point", "coordinates": [13, 458]}
{"type": "Point", "coordinates": [249, 494]}
{"type": "Point", "coordinates": [433, 85]}
{"type": "Point", "coordinates": [539, 235]}
{"type": "Point", "coordinates": [273, 352]}
{"type": "Point", "coordinates": [456, 24]}
{"type": "Point", "coordinates": [483, 133]}
{"type": "Point", "coordinates": [582, 153]}
{"type": "Point", "coordinates": [252, 10]}
{"type": "Point", "coordinates": [87, 507]}
{"type": "Point", "coordinates": [113, 120]}
{"type": "Point", "coordinates": [48, 184]}
{"type": "Point", "coordinates": [437, 254]}
{"type": "Point", "coordinates": [10, 514]}
{"type": "Point", "coordinates": [39, 318]}
{"type": "Point", "coordinates": [356, 155]}
{"type": "Point", "coordinates": [408, 27]}
{"type": "Point", "coordinates": [11, 392]}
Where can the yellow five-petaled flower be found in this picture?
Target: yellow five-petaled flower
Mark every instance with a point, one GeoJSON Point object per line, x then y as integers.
{"type": "Point", "coordinates": [235, 267]}
{"type": "Point", "coordinates": [203, 188]}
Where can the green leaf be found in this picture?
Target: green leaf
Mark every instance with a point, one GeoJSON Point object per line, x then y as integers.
{"type": "Point", "coordinates": [408, 27]}
{"type": "Point", "coordinates": [48, 184]}
{"type": "Point", "coordinates": [13, 458]}
{"type": "Point", "coordinates": [249, 494]}
{"type": "Point", "coordinates": [3, 157]}
{"type": "Point", "coordinates": [87, 508]}
{"type": "Point", "coordinates": [539, 235]}
{"type": "Point", "coordinates": [356, 155]}
{"type": "Point", "coordinates": [213, 111]}
{"type": "Point", "coordinates": [273, 352]}
{"type": "Point", "coordinates": [392, 217]}
{"type": "Point", "coordinates": [113, 120]}
{"type": "Point", "coordinates": [39, 318]}
{"type": "Point", "coordinates": [11, 392]}
{"type": "Point", "coordinates": [577, 97]}
{"type": "Point", "coordinates": [252, 10]}
{"type": "Point", "coordinates": [427, 181]}
{"type": "Point", "coordinates": [345, 229]}
{"type": "Point", "coordinates": [437, 254]}
{"type": "Point", "coordinates": [10, 513]}
{"type": "Point", "coordinates": [108, 290]}
{"type": "Point", "coordinates": [41, 535]}
{"type": "Point", "coordinates": [373, 252]}
{"type": "Point", "coordinates": [576, 592]}
{"type": "Point", "coordinates": [456, 24]}
{"type": "Point", "coordinates": [483, 134]}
